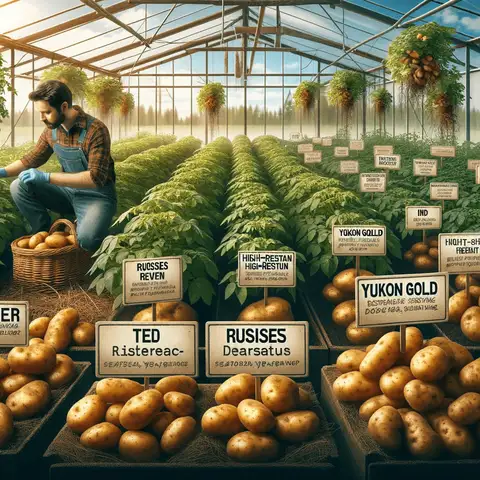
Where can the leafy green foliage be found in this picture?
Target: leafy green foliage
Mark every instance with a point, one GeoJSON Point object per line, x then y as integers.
{"type": "Point", "coordinates": [5, 86]}
{"type": "Point", "coordinates": [127, 104]}
{"type": "Point", "coordinates": [120, 151]}
{"type": "Point", "coordinates": [382, 99]}
{"type": "Point", "coordinates": [305, 95]}
{"type": "Point", "coordinates": [74, 77]}
{"type": "Point", "coordinates": [211, 97]}
{"type": "Point", "coordinates": [104, 93]}
{"type": "Point", "coordinates": [345, 88]}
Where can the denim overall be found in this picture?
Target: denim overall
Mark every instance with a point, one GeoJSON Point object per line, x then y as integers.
{"type": "Point", "coordinates": [93, 207]}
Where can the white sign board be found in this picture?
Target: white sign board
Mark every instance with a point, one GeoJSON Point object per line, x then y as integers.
{"type": "Point", "coordinates": [423, 167]}
{"type": "Point", "coordinates": [459, 252]}
{"type": "Point", "coordinates": [313, 157]}
{"type": "Point", "coordinates": [401, 299]}
{"type": "Point", "coordinates": [443, 191]}
{"type": "Point", "coordinates": [423, 218]}
{"type": "Point", "coordinates": [296, 137]}
{"type": "Point", "coordinates": [388, 162]}
{"type": "Point", "coordinates": [442, 151]}
{"type": "Point", "coordinates": [152, 280]}
{"type": "Point", "coordinates": [473, 164]}
{"type": "Point", "coordinates": [13, 324]}
{"type": "Point", "coordinates": [146, 349]}
{"type": "Point", "coordinates": [341, 152]}
{"type": "Point", "coordinates": [349, 166]}
{"type": "Point", "coordinates": [373, 182]}
{"type": "Point", "coordinates": [316, 140]}
{"type": "Point", "coordinates": [267, 269]}
{"type": "Point", "coordinates": [305, 147]}
{"type": "Point", "coordinates": [359, 240]}
{"type": "Point", "coordinates": [259, 348]}
{"type": "Point", "coordinates": [383, 150]}
{"type": "Point", "coordinates": [357, 145]}
{"type": "Point", "coordinates": [327, 141]}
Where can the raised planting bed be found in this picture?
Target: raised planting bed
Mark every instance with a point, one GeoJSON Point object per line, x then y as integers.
{"type": "Point", "coordinates": [204, 455]}
{"type": "Point", "coordinates": [364, 459]}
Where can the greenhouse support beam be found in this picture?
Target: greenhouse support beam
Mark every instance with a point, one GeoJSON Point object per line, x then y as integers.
{"type": "Point", "coordinates": [12, 97]}
{"type": "Point", "coordinates": [9, 3]}
{"type": "Point", "coordinates": [467, 95]}
{"type": "Point", "coordinates": [33, 88]}
{"type": "Point", "coordinates": [255, 40]}
{"type": "Point", "coordinates": [249, 3]}
{"type": "Point", "coordinates": [240, 49]}
{"type": "Point", "coordinates": [244, 45]}
{"type": "Point", "coordinates": [278, 38]}
{"type": "Point", "coordinates": [364, 106]}
{"type": "Point", "coordinates": [435, 10]}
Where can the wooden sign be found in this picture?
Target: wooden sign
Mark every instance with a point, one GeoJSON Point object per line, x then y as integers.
{"type": "Point", "coordinates": [388, 162]}
{"type": "Point", "coordinates": [373, 182]}
{"type": "Point", "coordinates": [442, 151]}
{"type": "Point", "coordinates": [383, 150]}
{"type": "Point", "coordinates": [423, 217]}
{"type": "Point", "coordinates": [424, 167]}
{"type": "Point", "coordinates": [341, 152]}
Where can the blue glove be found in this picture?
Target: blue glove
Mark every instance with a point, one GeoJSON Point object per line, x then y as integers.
{"type": "Point", "coordinates": [3, 173]}
{"type": "Point", "coordinates": [32, 175]}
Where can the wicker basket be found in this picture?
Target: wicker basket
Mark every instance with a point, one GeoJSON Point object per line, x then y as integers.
{"type": "Point", "coordinates": [57, 267]}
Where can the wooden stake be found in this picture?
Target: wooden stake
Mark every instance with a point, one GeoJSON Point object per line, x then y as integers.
{"type": "Point", "coordinates": [154, 312]}
{"type": "Point", "coordinates": [258, 385]}
{"type": "Point", "coordinates": [443, 205]}
{"type": "Point", "coordinates": [403, 338]}
{"type": "Point", "coordinates": [424, 236]}
{"type": "Point", "coordinates": [265, 296]}
{"type": "Point", "coordinates": [371, 196]}
{"type": "Point", "coordinates": [357, 266]}
{"type": "Point", "coordinates": [424, 180]}
{"type": "Point", "coordinates": [467, 287]}
{"type": "Point", "coordinates": [441, 162]}
{"type": "Point", "coordinates": [146, 383]}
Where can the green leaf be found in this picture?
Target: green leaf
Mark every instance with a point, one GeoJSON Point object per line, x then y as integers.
{"type": "Point", "coordinates": [230, 290]}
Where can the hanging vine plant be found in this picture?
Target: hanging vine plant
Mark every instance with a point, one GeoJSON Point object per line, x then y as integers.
{"type": "Point", "coordinates": [104, 93]}
{"type": "Point", "coordinates": [126, 105]}
{"type": "Point", "coordinates": [420, 55]}
{"type": "Point", "coordinates": [210, 100]}
{"type": "Point", "coordinates": [305, 95]}
{"type": "Point", "coordinates": [5, 86]}
{"type": "Point", "coordinates": [443, 101]}
{"type": "Point", "coordinates": [382, 100]}
{"type": "Point", "coordinates": [75, 78]}
{"type": "Point", "coordinates": [344, 89]}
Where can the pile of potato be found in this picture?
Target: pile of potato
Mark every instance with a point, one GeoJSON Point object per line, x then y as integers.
{"type": "Point", "coordinates": [168, 312]}
{"type": "Point", "coordinates": [424, 256]}
{"type": "Point", "coordinates": [275, 309]}
{"type": "Point", "coordinates": [62, 330]}
{"type": "Point", "coordinates": [341, 292]}
{"type": "Point", "coordinates": [427, 398]}
{"type": "Point", "coordinates": [253, 428]}
{"type": "Point", "coordinates": [466, 311]}
{"type": "Point", "coordinates": [27, 379]}
{"type": "Point", "coordinates": [122, 416]}
{"type": "Point", "coordinates": [45, 241]}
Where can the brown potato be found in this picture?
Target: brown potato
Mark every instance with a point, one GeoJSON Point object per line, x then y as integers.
{"type": "Point", "coordinates": [160, 423]}
{"type": "Point", "coordinates": [86, 413]}
{"type": "Point", "coordinates": [382, 357]}
{"type": "Point", "coordinates": [23, 243]}
{"type": "Point", "coordinates": [425, 263]}
{"type": "Point", "coordinates": [451, 386]}
{"type": "Point", "coordinates": [296, 426]}
{"type": "Point", "coordinates": [178, 434]}
{"type": "Point", "coordinates": [84, 334]}
{"type": "Point", "coordinates": [168, 312]}
{"type": "Point", "coordinates": [470, 324]}
{"type": "Point", "coordinates": [141, 447]}
{"type": "Point", "coordinates": [15, 381]}
{"type": "Point", "coordinates": [334, 295]}
{"type": "Point", "coordinates": [180, 404]}
{"type": "Point", "coordinates": [350, 360]}
{"type": "Point", "coordinates": [35, 359]}
{"type": "Point", "coordinates": [63, 373]}
{"type": "Point", "coordinates": [276, 310]}
{"type": "Point", "coordinates": [386, 426]}
{"type": "Point", "coordinates": [345, 280]}
{"type": "Point", "coordinates": [58, 335]}
{"type": "Point", "coordinates": [458, 304]}
{"type": "Point", "coordinates": [305, 400]}
{"type": "Point", "coordinates": [409, 256]}
{"type": "Point", "coordinates": [344, 313]}
{"type": "Point", "coordinates": [43, 234]}
{"type": "Point", "coordinates": [368, 348]}
{"type": "Point", "coordinates": [354, 387]}
{"type": "Point", "coordinates": [117, 390]}
{"type": "Point", "coordinates": [430, 364]}
{"type": "Point", "coordinates": [29, 400]}
{"type": "Point", "coordinates": [56, 241]}
{"type": "Point", "coordinates": [419, 248]}
{"type": "Point", "coordinates": [461, 355]}
{"type": "Point", "coordinates": [38, 327]}
{"type": "Point", "coordinates": [253, 447]}
{"type": "Point", "coordinates": [433, 252]}
{"type": "Point", "coordinates": [103, 436]}
{"type": "Point", "coordinates": [422, 396]}
{"type": "Point", "coordinates": [432, 242]}
{"type": "Point", "coordinates": [370, 406]}
{"type": "Point", "coordinates": [465, 410]}
{"type": "Point", "coordinates": [71, 239]}
{"type": "Point", "coordinates": [6, 424]}
{"type": "Point", "coordinates": [364, 335]}
{"type": "Point", "coordinates": [177, 383]}
{"type": "Point", "coordinates": [34, 341]}
{"type": "Point", "coordinates": [413, 343]}
{"type": "Point", "coordinates": [461, 282]}
{"type": "Point", "coordinates": [4, 368]}
{"type": "Point", "coordinates": [255, 416]}
{"type": "Point", "coordinates": [140, 410]}
{"type": "Point", "coordinates": [446, 345]}
{"type": "Point", "coordinates": [35, 240]}
{"type": "Point", "coordinates": [470, 376]}
{"type": "Point", "coordinates": [113, 414]}
{"type": "Point", "coordinates": [393, 381]}
{"type": "Point", "coordinates": [235, 389]}
{"type": "Point", "coordinates": [68, 316]}
{"type": "Point", "coordinates": [422, 441]}
{"type": "Point", "coordinates": [279, 393]}
{"type": "Point", "coordinates": [222, 421]}
{"type": "Point", "coordinates": [41, 246]}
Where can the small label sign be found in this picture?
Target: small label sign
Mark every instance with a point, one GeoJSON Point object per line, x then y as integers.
{"type": "Point", "coordinates": [316, 140]}
{"type": "Point", "coordinates": [477, 175]}
{"type": "Point", "coordinates": [383, 150]}
{"type": "Point", "coordinates": [13, 324]}
{"type": "Point", "coordinates": [327, 141]}
{"type": "Point", "coordinates": [442, 151]}
{"type": "Point", "coordinates": [424, 167]}
{"type": "Point", "coordinates": [313, 157]}
{"type": "Point", "coordinates": [373, 182]}
{"type": "Point", "coordinates": [349, 166]}
{"type": "Point", "coordinates": [267, 269]}
{"type": "Point", "coordinates": [459, 252]}
{"type": "Point", "coordinates": [401, 299]}
{"type": "Point", "coordinates": [295, 137]}
{"type": "Point", "coordinates": [423, 218]}
{"type": "Point", "coordinates": [341, 152]}
{"type": "Point", "coordinates": [473, 164]}
{"type": "Point", "coordinates": [359, 240]}
{"type": "Point", "coordinates": [357, 145]}
{"type": "Point", "coordinates": [152, 280]}
{"type": "Point", "coordinates": [443, 191]}
{"type": "Point", "coordinates": [305, 147]}
{"type": "Point", "coordinates": [259, 348]}
{"type": "Point", "coordinates": [388, 162]}
{"type": "Point", "coordinates": [150, 349]}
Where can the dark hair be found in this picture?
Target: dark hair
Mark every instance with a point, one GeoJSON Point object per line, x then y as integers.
{"type": "Point", "coordinates": [54, 92]}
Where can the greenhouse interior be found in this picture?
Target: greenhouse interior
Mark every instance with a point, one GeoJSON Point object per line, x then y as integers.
{"type": "Point", "coordinates": [240, 237]}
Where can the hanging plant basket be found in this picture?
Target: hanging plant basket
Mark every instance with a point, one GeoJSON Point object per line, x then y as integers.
{"type": "Point", "coordinates": [420, 55]}
{"type": "Point", "coordinates": [126, 105]}
{"type": "Point", "coordinates": [75, 78]}
{"type": "Point", "coordinates": [104, 93]}
{"type": "Point", "coordinates": [382, 100]}
{"type": "Point", "coordinates": [210, 100]}
{"type": "Point", "coordinates": [305, 95]}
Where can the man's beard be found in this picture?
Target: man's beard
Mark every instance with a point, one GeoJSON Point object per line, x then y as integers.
{"type": "Point", "coordinates": [56, 124]}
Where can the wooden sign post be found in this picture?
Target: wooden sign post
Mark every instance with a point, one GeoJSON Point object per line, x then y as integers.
{"type": "Point", "coordinates": [373, 183]}
{"type": "Point", "coordinates": [14, 319]}
{"type": "Point", "coordinates": [423, 218]}
{"type": "Point", "coordinates": [443, 191]}
{"type": "Point", "coordinates": [425, 168]}
{"type": "Point", "coordinates": [442, 152]}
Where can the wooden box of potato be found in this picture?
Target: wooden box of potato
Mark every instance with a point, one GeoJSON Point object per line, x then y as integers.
{"type": "Point", "coordinates": [364, 458]}
{"type": "Point", "coordinates": [20, 454]}
{"type": "Point", "coordinates": [203, 454]}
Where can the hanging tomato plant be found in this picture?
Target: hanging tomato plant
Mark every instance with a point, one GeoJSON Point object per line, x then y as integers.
{"type": "Point", "coordinates": [104, 93]}
{"type": "Point", "coordinates": [75, 78]}
{"type": "Point", "coordinates": [382, 100]}
{"type": "Point", "coordinates": [305, 95]}
{"type": "Point", "coordinates": [127, 104]}
{"type": "Point", "coordinates": [211, 99]}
